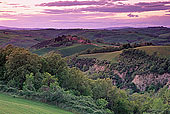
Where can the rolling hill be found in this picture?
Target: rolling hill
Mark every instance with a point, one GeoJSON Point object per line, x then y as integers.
{"type": "Point", "coordinates": [161, 51]}
{"type": "Point", "coordinates": [10, 105]}
{"type": "Point", "coordinates": [28, 38]}
{"type": "Point", "coordinates": [110, 56]}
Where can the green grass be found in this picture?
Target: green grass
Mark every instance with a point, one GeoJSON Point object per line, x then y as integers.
{"type": "Point", "coordinates": [10, 105]}
{"type": "Point", "coordinates": [164, 35]}
{"type": "Point", "coordinates": [162, 51]}
{"type": "Point", "coordinates": [110, 56]}
{"type": "Point", "coordinates": [43, 51]}
{"type": "Point", "coordinates": [67, 51]}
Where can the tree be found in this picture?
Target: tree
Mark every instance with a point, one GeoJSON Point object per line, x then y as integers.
{"type": "Point", "coordinates": [54, 63]}
{"type": "Point", "coordinates": [76, 80]}
{"type": "Point", "coordinates": [28, 84]}
{"type": "Point", "coordinates": [48, 79]}
{"type": "Point", "coordinates": [101, 88]}
{"type": "Point", "coordinates": [19, 63]}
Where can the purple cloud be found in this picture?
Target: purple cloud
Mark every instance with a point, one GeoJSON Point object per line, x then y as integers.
{"type": "Point", "coordinates": [56, 11]}
{"type": "Point", "coordinates": [131, 15]}
{"type": "Point", "coordinates": [78, 3]}
{"type": "Point", "coordinates": [138, 7]}
{"type": "Point", "coordinates": [123, 8]}
{"type": "Point", "coordinates": [73, 3]}
{"type": "Point", "coordinates": [18, 5]}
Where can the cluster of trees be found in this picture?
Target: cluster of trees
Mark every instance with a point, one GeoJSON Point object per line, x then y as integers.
{"type": "Point", "coordinates": [64, 40]}
{"type": "Point", "coordinates": [134, 62]}
{"type": "Point", "coordinates": [49, 79]}
{"type": "Point", "coordinates": [131, 62]}
{"type": "Point", "coordinates": [112, 48]}
{"type": "Point", "coordinates": [141, 63]}
{"type": "Point", "coordinates": [84, 64]}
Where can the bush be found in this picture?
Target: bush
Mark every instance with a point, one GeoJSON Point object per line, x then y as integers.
{"type": "Point", "coordinates": [102, 103]}
{"type": "Point", "coordinates": [3, 88]}
{"type": "Point", "coordinates": [12, 90]}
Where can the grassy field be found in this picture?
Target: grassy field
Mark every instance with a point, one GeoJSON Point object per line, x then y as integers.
{"type": "Point", "coordinates": [110, 56]}
{"type": "Point", "coordinates": [161, 51]}
{"type": "Point", "coordinates": [10, 105]}
{"type": "Point", "coordinates": [43, 51]}
{"type": "Point", "coordinates": [67, 51]}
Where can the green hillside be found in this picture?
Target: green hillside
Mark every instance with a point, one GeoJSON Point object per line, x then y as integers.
{"type": "Point", "coordinates": [10, 105]}
{"type": "Point", "coordinates": [110, 56]}
{"type": "Point", "coordinates": [43, 51]}
{"type": "Point", "coordinates": [161, 51]}
{"type": "Point", "coordinates": [65, 51]}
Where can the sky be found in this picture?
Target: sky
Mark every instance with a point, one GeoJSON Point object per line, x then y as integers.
{"type": "Point", "coordinates": [84, 13]}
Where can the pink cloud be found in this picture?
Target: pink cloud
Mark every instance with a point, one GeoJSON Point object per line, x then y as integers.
{"type": "Point", "coordinates": [7, 11]}
{"type": "Point", "coordinates": [13, 4]}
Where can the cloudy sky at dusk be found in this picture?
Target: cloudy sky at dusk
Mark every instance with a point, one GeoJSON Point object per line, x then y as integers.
{"type": "Point", "coordinates": [84, 13]}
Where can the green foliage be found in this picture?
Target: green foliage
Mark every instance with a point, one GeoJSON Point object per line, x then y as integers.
{"type": "Point", "coordinates": [19, 63]}
{"type": "Point", "coordinates": [48, 79]}
{"type": "Point", "coordinates": [28, 84]}
{"type": "Point", "coordinates": [142, 101]}
{"type": "Point", "coordinates": [158, 106]}
{"type": "Point", "coordinates": [76, 80]}
{"type": "Point", "coordinates": [101, 88]}
{"type": "Point", "coordinates": [102, 103]}
{"type": "Point", "coordinates": [54, 64]}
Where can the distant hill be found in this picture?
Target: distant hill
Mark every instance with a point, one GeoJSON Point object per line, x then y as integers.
{"type": "Point", "coordinates": [9, 28]}
{"type": "Point", "coordinates": [29, 38]}
{"type": "Point", "coordinates": [112, 28]}
{"type": "Point", "coordinates": [15, 28]}
{"type": "Point", "coordinates": [66, 45]}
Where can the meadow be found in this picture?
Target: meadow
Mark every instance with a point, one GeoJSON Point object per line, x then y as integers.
{"type": "Point", "coordinates": [160, 51]}
{"type": "Point", "coordinates": [11, 105]}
